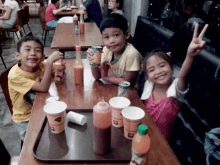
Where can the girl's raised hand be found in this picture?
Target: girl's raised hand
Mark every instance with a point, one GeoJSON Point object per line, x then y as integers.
{"type": "Point", "coordinates": [197, 44]}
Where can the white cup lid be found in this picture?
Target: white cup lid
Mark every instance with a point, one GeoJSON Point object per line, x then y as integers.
{"type": "Point", "coordinates": [133, 113]}
{"type": "Point", "coordinates": [55, 107]}
{"type": "Point", "coordinates": [119, 102]}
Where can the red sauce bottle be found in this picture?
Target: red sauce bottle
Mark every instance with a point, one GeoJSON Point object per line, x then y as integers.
{"type": "Point", "coordinates": [102, 128]}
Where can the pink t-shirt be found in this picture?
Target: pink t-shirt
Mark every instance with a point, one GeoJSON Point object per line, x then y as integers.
{"type": "Point", "coordinates": [49, 16]}
{"type": "Point", "coordinates": [164, 113]}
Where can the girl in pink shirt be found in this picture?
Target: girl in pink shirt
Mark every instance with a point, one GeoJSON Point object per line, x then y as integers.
{"type": "Point", "coordinates": [52, 10]}
{"type": "Point", "coordinates": [163, 96]}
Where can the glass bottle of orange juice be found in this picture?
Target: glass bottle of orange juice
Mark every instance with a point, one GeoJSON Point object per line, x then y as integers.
{"type": "Point", "coordinates": [140, 145]}
{"type": "Point", "coordinates": [81, 24]}
{"type": "Point", "coordinates": [59, 69]}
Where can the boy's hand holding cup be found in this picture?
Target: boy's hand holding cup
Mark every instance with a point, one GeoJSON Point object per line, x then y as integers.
{"type": "Point", "coordinates": [56, 55]}
{"type": "Point", "coordinates": [89, 54]}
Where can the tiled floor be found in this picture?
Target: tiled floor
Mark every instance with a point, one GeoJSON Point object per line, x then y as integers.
{"type": "Point", "coordinates": [8, 133]}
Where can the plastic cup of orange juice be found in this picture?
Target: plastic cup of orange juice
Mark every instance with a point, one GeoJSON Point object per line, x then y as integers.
{"type": "Point", "coordinates": [56, 112]}
{"type": "Point", "coordinates": [132, 117]}
{"type": "Point", "coordinates": [118, 104]}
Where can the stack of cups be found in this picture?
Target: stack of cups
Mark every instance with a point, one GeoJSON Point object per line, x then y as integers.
{"type": "Point", "coordinates": [56, 112]}
{"type": "Point", "coordinates": [132, 117]}
{"type": "Point", "coordinates": [118, 104]}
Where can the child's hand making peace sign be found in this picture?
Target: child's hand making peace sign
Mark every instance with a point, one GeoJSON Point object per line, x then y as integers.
{"type": "Point", "coordinates": [195, 47]}
{"type": "Point", "coordinates": [197, 44]}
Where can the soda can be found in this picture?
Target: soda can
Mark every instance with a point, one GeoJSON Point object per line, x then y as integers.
{"type": "Point", "coordinates": [96, 55]}
{"type": "Point", "coordinates": [122, 88]}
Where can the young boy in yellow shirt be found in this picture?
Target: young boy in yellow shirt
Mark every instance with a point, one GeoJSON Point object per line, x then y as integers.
{"type": "Point", "coordinates": [28, 76]}
{"type": "Point", "coordinates": [120, 61]}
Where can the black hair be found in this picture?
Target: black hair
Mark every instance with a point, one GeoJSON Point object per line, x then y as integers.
{"type": "Point", "coordinates": [29, 38]}
{"type": "Point", "coordinates": [120, 4]}
{"type": "Point", "coordinates": [114, 20]}
{"type": "Point", "coordinates": [159, 53]}
{"type": "Point", "coordinates": [3, 1]}
{"type": "Point", "coordinates": [54, 1]}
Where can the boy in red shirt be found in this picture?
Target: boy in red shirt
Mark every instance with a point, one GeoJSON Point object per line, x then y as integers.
{"type": "Point", "coordinates": [51, 13]}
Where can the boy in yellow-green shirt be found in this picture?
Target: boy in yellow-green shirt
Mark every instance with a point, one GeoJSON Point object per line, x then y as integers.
{"type": "Point", "coordinates": [120, 61]}
{"type": "Point", "coordinates": [28, 76]}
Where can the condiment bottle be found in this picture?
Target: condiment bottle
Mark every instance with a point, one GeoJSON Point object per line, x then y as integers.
{"type": "Point", "coordinates": [140, 145]}
{"type": "Point", "coordinates": [81, 24]}
{"type": "Point", "coordinates": [102, 128]}
{"type": "Point", "coordinates": [75, 20]}
{"type": "Point", "coordinates": [76, 30]}
{"type": "Point", "coordinates": [68, 4]}
{"type": "Point", "coordinates": [59, 69]}
{"type": "Point", "coordinates": [78, 67]}
{"type": "Point", "coordinates": [73, 3]}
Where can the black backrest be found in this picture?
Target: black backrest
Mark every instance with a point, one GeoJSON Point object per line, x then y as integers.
{"type": "Point", "coordinates": [200, 111]}
{"type": "Point", "coordinates": [149, 36]}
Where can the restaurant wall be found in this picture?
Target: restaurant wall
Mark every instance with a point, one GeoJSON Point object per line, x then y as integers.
{"type": "Point", "coordinates": [127, 11]}
{"type": "Point", "coordinates": [138, 7]}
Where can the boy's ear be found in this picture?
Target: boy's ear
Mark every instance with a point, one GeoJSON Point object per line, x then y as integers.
{"type": "Point", "coordinates": [127, 34]}
{"type": "Point", "coordinates": [17, 56]}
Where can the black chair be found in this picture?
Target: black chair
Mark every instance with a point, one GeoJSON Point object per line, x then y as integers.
{"type": "Point", "coordinates": [4, 155]}
{"type": "Point", "coordinates": [26, 17]}
{"type": "Point", "coordinates": [200, 111]}
{"type": "Point", "coordinates": [45, 29]}
{"type": "Point", "coordinates": [18, 25]}
{"type": "Point", "coordinates": [1, 55]}
{"type": "Point", "coordinates": [149, 36]}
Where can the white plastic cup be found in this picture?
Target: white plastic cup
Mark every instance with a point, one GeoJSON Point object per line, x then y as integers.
{"type": "Point", "coordinates": [76, 118]}
{"type": "Point", "coordinates": [56, 112]}
{"type": "Point", "coordinates": [118, 104]}
{"type": "Point", "coordinates": [132, 117]}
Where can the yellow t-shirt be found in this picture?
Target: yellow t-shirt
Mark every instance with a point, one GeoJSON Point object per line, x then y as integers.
{"type": "Point", "coordinates": [19, 84]}
{"type": "Point", "coordinates": [130, 60]}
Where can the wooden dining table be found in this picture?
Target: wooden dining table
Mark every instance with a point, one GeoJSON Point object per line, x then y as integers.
{"type": "Point", "coordinates": [65, 39]}
{"type": "Point", "coordinates": [71, 12]}
{"type": "Point", "coordinates": [85, 97]}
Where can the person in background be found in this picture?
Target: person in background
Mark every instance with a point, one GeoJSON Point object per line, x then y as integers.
{"type": "Point", "coordinates": [8, 20]}
{"type": "Point", "coordinates": [116, 6]}
{"type": "Point", "coordinates": [51, 13]}
{"type": "Point", "coordinates": [94, 12]}
{"type": "Point", "coordinates": [120, 61]}
{"type": "Point", "coordinates": [28, 76]}
{"type": "Point", "coordinates": [162, 95]}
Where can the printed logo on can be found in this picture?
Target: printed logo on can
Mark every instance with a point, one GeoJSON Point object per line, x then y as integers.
{"type": "Point", "coordinates": [130, 135]}
{"type": "Point", "coordinates": [96, 55]}
{"type": "Point", "coordinates": [122, 88]}
{"type": "Point", "coordinates": [115, 122]}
